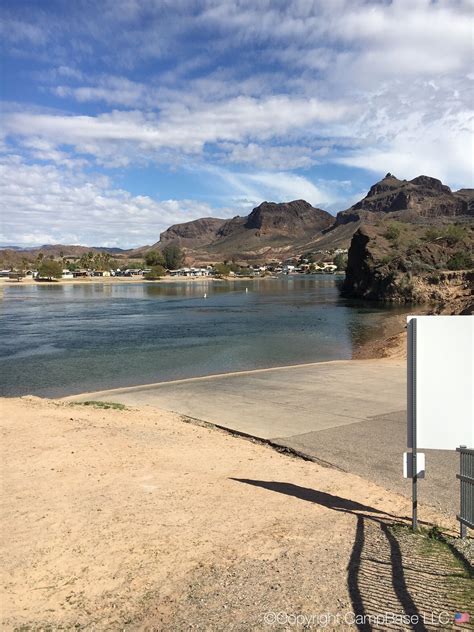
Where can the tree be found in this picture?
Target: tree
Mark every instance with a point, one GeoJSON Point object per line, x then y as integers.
{"type": "Point", "coordinates": [156, 272]}
{"type": "Point", "coordinates": [340, 261]}
{"type": "Point", "coordinates": [102, 261]}
{"type": "Point", "coordinates": [154, 258]}
{"type": "Point", "coordinates": [221, 269]}
{"type": "Point", "coordinates": [174, 257]}
{"type": "Point", "coordinates": [50, 269]}
{"type": "Point", "coordinates": [85, 261]}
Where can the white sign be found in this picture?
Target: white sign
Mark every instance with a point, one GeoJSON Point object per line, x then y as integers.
{"type": "Point", "coordinates": [408, 465]}
{"type": "Point", "coordinates": [441, 381]}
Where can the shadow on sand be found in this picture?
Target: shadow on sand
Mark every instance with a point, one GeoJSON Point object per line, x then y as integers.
{"type": "Point", "coordinates": [371, 590]}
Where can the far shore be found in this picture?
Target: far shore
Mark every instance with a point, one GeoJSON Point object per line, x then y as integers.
{"type": "Point", "coordinates": [28, 281]}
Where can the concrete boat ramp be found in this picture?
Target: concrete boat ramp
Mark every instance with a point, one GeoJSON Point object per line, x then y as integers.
{"type": "Point", "coordinates": [350, 414]}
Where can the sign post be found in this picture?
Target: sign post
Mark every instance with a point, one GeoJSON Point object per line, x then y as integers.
{"type": "Point", "coordinates": [411, 416]}
{"type": "Point", "coordinates": [440, 394]}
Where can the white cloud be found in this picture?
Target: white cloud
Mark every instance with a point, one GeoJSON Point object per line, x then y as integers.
{"type": "Point", "coordinates": [248, 189]}
{"type": "Point", "coordinates": [178, 126]}
{"type": "Point", "coordinates": [412, 136]}
{"type": "Point", "coordinates": [43, 204]}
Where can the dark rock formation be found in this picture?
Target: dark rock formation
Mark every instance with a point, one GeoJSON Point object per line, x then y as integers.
{"type": "Point", "coordinates": [422, 197]}
{"type": "Point", "coordinates": [410, 263]}
{"type": "Point", "coordinates": [192, 234]}
{"type": "Point", "coordinates": [292, 219]}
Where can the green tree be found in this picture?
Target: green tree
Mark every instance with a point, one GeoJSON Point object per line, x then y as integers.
{"type": "Point", "coordinates": [135, 265]}
{"type": "Point", "coordinates": [154, 258]}
{"type": "Point", "coordinates": [156, 272]}
{"type": "Point", "coordinates": [102, 261]}
{"type": "Point", "coordinates": [340, 261]}
{"type": "Point", "coordinates": [222, 269]}
{"type": "Point", "coordinates": [50, 269]}
{"type": "Point", "coordinates": [85, 260]}
{"type": "Point", "coordinates": [174, 257]}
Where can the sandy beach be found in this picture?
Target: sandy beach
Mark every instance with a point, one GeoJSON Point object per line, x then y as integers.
{"type": "Point", "coordinates": [134, 520]}
{"type": "Point", "coordinates": [28, 281]}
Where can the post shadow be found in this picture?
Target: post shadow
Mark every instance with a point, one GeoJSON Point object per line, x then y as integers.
{"type": "Point", "coordinates": [362, 513]}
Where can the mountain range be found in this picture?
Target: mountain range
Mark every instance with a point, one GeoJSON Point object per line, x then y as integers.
{"type": "Point", "coordinates": [280, 230]}
{"type": "Point", "coordinates": [276, 231]}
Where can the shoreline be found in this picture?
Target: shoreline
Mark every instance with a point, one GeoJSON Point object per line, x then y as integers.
{"type": "Point", "coordinates": [139, 387]}
{"type": "Point", "coordinates": [114, 280]}
{"type": "Point", "coordinates": [5, 282]}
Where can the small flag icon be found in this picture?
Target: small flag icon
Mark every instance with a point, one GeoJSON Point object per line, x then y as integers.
{"type": "Point", "coordinates": [461, 617]}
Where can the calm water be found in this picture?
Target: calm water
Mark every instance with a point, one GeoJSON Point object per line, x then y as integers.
{"type": "Point", "coordinates": [65, 339]}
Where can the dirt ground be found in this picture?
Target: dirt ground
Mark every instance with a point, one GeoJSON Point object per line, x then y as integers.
{"type": "Point", "coordinates": [136, 520]}
{"type": "Point", "coordinates": [391, 343]}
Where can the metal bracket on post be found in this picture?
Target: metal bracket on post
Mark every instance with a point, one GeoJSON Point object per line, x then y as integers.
{"type": "Point", "coordinates": [414, 487]}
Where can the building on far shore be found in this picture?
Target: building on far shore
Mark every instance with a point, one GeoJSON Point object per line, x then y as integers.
{"type": "Point", "coordinates": [191, 272]}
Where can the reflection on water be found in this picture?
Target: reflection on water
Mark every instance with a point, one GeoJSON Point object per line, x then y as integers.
{"type": "Point", "coordinates": [64, 339]}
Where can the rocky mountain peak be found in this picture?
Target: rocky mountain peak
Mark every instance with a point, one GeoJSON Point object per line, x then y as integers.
{"type": "Point", "coordinates": [430, 184]}
{"type": "Point", "coordinates": [192, 233]}
{"type": "Point", "coordinates": [423, 196]}
{"type": "Point", "coordinates": [388, 183]}
{"type": "Point", "coordinates": [297, 215]}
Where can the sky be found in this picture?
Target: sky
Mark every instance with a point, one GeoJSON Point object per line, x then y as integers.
{"type": "Point", "coordinates": [122, 117]}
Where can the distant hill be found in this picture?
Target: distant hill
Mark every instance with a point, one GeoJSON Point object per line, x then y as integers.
{"type": "Point", "coordinates": [270, 230]}
{"type": "Point", "coordinates": [282, 230]}
{"type": "Point", "coordinates": [275, 231]}
{"type": "Point", "coordinates": [15, 255]}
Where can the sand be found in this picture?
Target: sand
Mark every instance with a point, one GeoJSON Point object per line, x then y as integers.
{"type": "Point", "coordinates": [135, 520]}
{"type": "Point", "coordinates": [27, 281]}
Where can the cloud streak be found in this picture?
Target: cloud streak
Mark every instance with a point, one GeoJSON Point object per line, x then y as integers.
{"type": "Point", "coordinates": [261, 99]}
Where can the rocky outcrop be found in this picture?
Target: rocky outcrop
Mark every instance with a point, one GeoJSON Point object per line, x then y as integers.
{"type": "Point", "coordinates": [192, 234]}
{"type": "Point", "coordinates": [293, 219]}
{"type": "Point", "coordinates": [412, 264]}
{"type": "Point", "coordinates": [422, 197]}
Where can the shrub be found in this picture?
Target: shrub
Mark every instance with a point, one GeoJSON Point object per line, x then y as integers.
{"type": "Point", "coordinates": [155, 273]}
{"type": "Point", "coordinates": [454, 234]}
{"type": "Point", "coordinates": [460, 261]}
{"type": "Point", "coordinates": [432, 234]}
{"type": "Point", "coordinates": [393, 232]}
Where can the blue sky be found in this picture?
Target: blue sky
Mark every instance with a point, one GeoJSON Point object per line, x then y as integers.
{"type": "Point", "coordinates": [121, 117]}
